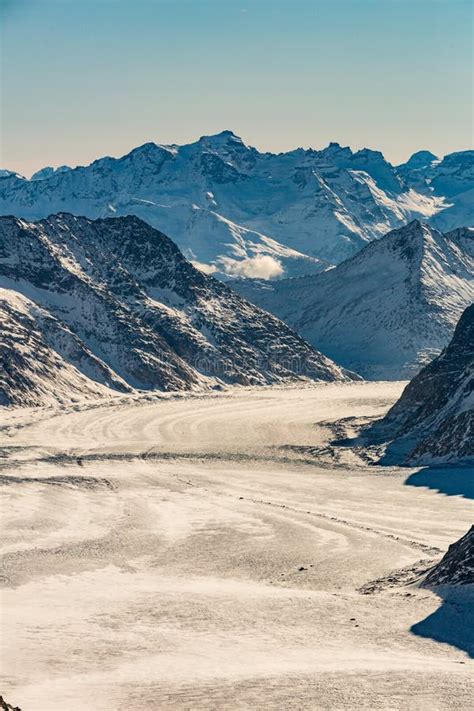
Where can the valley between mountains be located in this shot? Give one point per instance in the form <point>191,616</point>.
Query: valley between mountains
<point>219,491</point>
<point>215,551</point>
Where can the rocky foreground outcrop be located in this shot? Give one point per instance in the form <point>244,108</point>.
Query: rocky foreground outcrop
<point>4,706</point>
<point>433,421</point>
<point>457,566</point>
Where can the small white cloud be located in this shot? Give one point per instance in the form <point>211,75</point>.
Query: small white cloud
<point>205,268</point>
<point>259,267</point>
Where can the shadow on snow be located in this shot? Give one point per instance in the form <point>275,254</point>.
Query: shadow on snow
<point>449,480</point>
<point>451,623</point>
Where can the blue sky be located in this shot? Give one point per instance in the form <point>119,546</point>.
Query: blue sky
<point>85,78</point>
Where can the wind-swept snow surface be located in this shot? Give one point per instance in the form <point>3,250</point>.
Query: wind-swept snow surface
<point>195,552</point>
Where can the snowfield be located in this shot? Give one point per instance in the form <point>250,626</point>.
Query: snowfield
<point>214,552</point>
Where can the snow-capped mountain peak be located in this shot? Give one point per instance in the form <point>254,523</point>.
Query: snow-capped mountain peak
<point>387,310</point>
<point>420,159</point>
<point>48,172</point>
<point>324,204</point>
<point>222,139</point>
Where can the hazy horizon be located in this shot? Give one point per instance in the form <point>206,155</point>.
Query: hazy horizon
<point>125,151</point>
<point>99,77</point>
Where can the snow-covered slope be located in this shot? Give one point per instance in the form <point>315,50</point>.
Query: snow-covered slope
<point>10,174</point>
<point>229,207</point>
<point>458,213</point>
<point>218,245</point>
<point>451,178</point>
<point>386,311</point>
<point>90,305</point>
<point>42,360</point>
<point>457,566</point>
<point>435,414</point>
<point>454,174</point>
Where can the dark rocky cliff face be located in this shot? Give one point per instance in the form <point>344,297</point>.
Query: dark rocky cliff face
<point>457,566</point>
<point>4,706</point>
<point>112,303</point>
<point>436,409</point>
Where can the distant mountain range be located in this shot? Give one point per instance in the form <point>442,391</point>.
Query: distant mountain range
<point>386,311</point>
<point>91,307</point>
<point>433,421</point>
<point>237,212</point>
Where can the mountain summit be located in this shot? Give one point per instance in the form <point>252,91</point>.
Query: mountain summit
<point>227,205</point>
<point>386,311</point>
